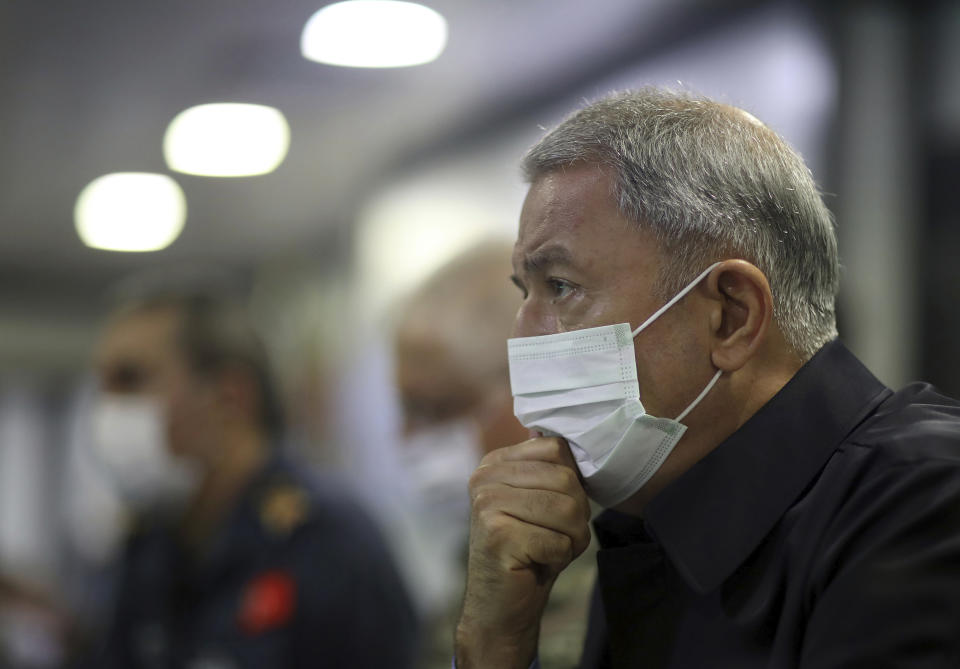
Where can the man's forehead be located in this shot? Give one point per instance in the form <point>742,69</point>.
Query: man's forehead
<point>542,240</point>
<point>561,212</point>
<point>137,334</point>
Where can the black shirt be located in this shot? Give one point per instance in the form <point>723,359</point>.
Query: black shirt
<point>297,576</point>
<point>824,533</point>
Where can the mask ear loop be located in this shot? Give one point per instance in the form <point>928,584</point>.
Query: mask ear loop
<point>703,393</point>
<point>676,298</point>
<point>656,314</point>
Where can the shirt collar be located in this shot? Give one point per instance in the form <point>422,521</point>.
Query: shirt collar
<point>710,519</point>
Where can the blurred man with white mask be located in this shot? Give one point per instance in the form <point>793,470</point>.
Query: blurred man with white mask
<point>451,376</point>
<point>238,558</point>
<point>770,503</point>
<point>454,387</point>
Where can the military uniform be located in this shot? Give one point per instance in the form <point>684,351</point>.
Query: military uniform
<point>295,577</point>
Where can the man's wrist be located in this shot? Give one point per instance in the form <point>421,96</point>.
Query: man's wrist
<point>476,648</point>
<point>534,665</point>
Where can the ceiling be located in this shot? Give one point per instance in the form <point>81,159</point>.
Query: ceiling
<point>88,88</point>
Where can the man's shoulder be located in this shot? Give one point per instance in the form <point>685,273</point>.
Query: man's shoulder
<point>897,471</point>
<point>294,502</point>
<point>874,540</point>
<point>329,545</point>
<point>914,426</point>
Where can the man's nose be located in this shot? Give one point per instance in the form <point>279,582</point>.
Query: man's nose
<point>533,320</point>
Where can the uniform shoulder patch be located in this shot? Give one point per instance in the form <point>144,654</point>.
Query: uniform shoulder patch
<point>284,507</point>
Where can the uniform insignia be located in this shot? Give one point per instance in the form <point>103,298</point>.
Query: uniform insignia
<point>268,602</point>
<point>283,508</point>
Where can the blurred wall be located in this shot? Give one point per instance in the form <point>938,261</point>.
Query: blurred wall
<point>894,158</point>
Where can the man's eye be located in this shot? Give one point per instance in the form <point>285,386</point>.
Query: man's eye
<point>126,378</point>
<point>559,288</point>
<point>516,282</point>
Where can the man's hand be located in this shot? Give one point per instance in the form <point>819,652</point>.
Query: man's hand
<point>530,519</point>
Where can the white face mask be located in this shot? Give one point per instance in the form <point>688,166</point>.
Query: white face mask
<point>438,462</point>
<point>430,525</point>
<point>582,385</point>
<point>128,441</point>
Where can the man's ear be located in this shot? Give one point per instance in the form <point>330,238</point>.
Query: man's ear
<point>743,314</point>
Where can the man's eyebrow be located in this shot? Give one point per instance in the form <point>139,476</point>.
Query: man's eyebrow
<point>547,256</point>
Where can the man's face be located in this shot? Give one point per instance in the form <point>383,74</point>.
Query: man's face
<point>138,356</point>
<point>581,264</point>
<point>431,387</point>
<point>435,389</point>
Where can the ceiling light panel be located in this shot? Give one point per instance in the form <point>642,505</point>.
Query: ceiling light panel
<point>227,140</point>
<point>130,211</point>
<point>374,33</point>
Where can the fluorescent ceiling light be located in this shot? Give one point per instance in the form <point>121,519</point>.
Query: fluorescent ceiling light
<point>374,33</point>
<point>130,211</point>
<point>227,140</point>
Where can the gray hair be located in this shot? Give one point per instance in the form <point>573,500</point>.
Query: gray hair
<point>710,182</point>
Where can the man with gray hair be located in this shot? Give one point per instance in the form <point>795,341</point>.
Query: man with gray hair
<point>770,503</point>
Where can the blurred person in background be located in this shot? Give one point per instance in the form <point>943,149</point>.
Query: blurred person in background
<point>770,503</point>
<point>454,386</point>
<point>237,558</point>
